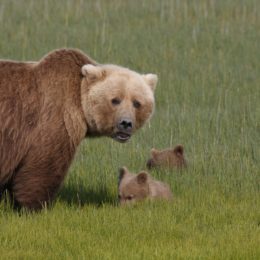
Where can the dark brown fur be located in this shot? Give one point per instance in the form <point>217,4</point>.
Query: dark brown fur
<point>39,132</point>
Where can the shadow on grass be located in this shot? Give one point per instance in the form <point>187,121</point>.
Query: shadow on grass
<point>79,195</point>
<point>73,195</point>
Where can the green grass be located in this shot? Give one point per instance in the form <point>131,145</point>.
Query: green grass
<point>207,56</point>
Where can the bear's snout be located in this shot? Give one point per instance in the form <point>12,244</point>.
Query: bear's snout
<point>124,129</point>
<point>125,124</point>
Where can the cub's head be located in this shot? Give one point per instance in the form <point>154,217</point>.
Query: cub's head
<point>132,187</point>
<point>169,158</point>
<point>116,101</point>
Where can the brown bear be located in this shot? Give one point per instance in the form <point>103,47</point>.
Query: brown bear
<point>168,158</point>
<point>48,107</point>
<point>137,187</point>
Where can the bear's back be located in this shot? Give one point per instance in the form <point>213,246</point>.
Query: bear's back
<point>18,112</point>
<point>33,99</point>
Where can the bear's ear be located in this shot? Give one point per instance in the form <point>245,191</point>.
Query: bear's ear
<point>122,172</point>
<point>154,152</point>
<point>142,177</point>
<point>178,150</point>
<point>93,72</point>
<point>151,80</point>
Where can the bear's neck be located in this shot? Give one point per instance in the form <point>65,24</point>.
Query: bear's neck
<point>91,130</point>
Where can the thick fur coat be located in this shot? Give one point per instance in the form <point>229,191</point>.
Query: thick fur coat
<point>42,123</point>
<point>43,120</point>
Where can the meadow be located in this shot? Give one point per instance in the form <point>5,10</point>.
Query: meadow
<point>207,56</point>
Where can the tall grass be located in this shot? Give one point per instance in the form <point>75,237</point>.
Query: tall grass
<point>207,56</point>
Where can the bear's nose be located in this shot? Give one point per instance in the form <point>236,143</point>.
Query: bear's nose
<point>125,124</point>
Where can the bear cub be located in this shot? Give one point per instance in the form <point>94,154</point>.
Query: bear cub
<point>168,158</point>
<point>137,187</point>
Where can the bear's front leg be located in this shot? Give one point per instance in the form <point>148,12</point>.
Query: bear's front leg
<point>36,183</point>
<point>35,190</point>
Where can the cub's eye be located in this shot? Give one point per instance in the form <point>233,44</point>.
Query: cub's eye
<point>115,101</point>
<point>130,197</point>
<point>136,104</point>
<point>119,197</point>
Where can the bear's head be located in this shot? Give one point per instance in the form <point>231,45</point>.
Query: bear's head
<point>132,187</point>
<point>116,101</point>
<point>169,158</point>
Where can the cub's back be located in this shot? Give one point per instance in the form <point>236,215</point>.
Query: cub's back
<point>160,190</point>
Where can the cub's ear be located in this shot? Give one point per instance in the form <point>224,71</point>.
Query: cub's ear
<point>142,177</point>
<point>93,72</point>
<point>122,172</point>
<point>151,80</point>
<point>178,150</point>
<point>154,152</point>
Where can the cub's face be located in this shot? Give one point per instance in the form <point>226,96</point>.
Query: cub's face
<point>132,187</point>
<point>169,158</point>
<point>116,101</point>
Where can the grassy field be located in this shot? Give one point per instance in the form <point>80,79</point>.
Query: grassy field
<point>207,56</point>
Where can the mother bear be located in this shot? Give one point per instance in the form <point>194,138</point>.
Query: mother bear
<point>48,107</point>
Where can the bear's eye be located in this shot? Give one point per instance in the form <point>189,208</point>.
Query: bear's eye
<point>136,104</point>
<point>115,101</point>
<point>119,197</point>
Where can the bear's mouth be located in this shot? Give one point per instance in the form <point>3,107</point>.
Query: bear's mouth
<point>121,137</point>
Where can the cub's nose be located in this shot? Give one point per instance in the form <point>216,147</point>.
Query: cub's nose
<point>150,164</point>
<point>125,124</point>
